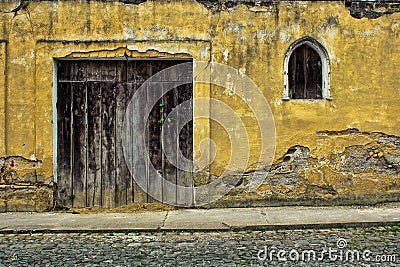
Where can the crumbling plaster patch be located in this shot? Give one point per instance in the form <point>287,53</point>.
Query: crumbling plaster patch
<point>22,188</point>
<point>345,174</point>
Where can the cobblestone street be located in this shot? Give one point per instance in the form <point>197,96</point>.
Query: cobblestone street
<point>377,246</point>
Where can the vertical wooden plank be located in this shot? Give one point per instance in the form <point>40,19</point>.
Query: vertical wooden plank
<point>139,161</point>
<point>64,179</point>
<point>299,83</point>
<point>136,73</point>
<point>108,143</point>
<point>94,157</point>
<point>122,172</point>
<point>307,73</point>
<point>154,139</point>
<point>310,79</point>
<point>314,74</point>
<point>79,144</point>
<point>123,178</point>
<point>304,71</point>
<point>292,75</point>
<point>298,72</point>
<point>129,94</point>
<point>320,81</point>
<point>169,141</point>
<point>185,176</point>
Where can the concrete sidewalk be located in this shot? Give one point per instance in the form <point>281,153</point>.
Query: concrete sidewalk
<point>202,220</point>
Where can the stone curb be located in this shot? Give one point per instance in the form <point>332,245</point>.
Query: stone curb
<point>231,219</point>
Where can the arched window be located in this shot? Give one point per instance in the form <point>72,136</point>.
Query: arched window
<point>307,71</point>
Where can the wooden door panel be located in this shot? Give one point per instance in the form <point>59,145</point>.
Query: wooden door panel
<point>305,74</point>
<point>93,96</point>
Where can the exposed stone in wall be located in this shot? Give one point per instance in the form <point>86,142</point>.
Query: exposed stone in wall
<point>132,1</point>
<point>358,9</point>
<point>220,5</point>
<point>372,10</point>
<point>363,174</point>
<point>21,188</point>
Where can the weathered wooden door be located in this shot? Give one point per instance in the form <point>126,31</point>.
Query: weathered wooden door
<point>305,74</point>
<point>92,98</point>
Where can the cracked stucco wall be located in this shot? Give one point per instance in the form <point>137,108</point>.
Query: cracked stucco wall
<point>316,157</point>
<point>353,174</point>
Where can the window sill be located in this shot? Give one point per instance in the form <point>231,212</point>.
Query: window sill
<point>307,100</point>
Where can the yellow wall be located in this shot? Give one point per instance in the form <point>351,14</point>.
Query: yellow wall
<point>364,61</point>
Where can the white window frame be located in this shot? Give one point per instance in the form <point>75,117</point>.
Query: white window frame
<point>326,71</point>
